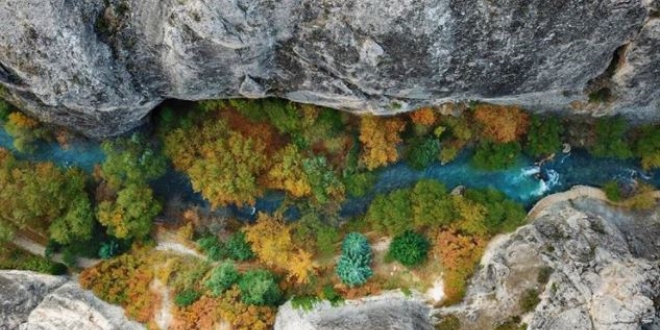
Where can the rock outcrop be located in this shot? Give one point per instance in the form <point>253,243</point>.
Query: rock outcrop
<point>592,267</point>
<point>100,66</point>
<point>387,311</point>
<point>32,301</point>
<point>579,265</point>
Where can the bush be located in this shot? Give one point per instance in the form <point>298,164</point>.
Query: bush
<point>449,322</point>
<point>409,249</point>
<point>186,297</point>
<point>529,300</point>
<point>422,153</point>
<point>259,287</point>
<point>495,156</point>
<point>238,248</point>
<point>544,275</point>
<point>213,248</point>
<point>612,191</point>
<point>222,278</point>
<point>305,303</point>
<point>647,147</point>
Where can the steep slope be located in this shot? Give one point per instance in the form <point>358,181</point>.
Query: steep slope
<point>100,66</point>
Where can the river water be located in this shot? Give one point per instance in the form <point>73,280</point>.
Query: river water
<point>520,182</point>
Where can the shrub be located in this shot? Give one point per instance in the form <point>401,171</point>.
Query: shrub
<point>423,152</point>
<point>612,191</point>
<point>647,147</point>
<point>409,248</point>
<point>259,287</point>
<point>213,248</point>
<point>238,248</point>
<point>305,303</point>
<point>186,297</point>
<point>495,156</point>
<point>222,278</point>
<point>448,322</point>
<point>529,300</point>
<point>544,275</point>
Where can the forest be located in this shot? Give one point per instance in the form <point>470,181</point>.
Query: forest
<point>234,153</point>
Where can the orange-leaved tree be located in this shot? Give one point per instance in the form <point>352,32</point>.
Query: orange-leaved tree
<point>272,242</point>
<point>423,116</point>
<point>501,124</point>
<point>379,137</point>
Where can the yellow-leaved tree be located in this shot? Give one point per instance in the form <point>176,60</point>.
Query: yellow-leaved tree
<point>379,137</point>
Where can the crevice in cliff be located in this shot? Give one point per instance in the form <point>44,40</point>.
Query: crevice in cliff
<point>599,89</point>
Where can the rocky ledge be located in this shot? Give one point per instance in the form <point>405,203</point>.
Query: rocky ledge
<point>100,66</point>
<point>592,267</point>
<point>32,301</point>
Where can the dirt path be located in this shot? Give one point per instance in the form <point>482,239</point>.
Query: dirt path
<point>163,316</point>
<point>40,250</point>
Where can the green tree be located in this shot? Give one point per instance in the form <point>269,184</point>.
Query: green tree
<point>186,297</point>
<point>222,278</point>
<point>610,139</point>
<point>431,204</point>
<point>131,161</point>
<point>326,186</point>
<point>423,152</point>
<point>259,287</point>
<point>354,271</point>
<point>544,136</point>
<point>239,248</point>
<point>495,156</point>
<point>647,147</point>
<point>353,267</point>
<point>502,214</point>
<point>212,247</point>
<point>132,214</point>
<point>390,213</point>
<point>409,248</point>
<point>359,184</point>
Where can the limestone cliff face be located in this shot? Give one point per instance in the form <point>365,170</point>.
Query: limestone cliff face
<point>32,301</point>
<point>100,66</point>
<point>603,264</point>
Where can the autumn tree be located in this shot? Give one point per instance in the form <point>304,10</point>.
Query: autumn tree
<point>325,184</point>
<point>459,254</point>
<point>471,216</point>
<point>423,116</point>
<point>25,131</point>
<point>44,199</point>
<point>223,165</point>
<point>501,124</point>
<point>288,173</point>
<point>272,242</point>
<point>131,214</point>
<point>379,137</point>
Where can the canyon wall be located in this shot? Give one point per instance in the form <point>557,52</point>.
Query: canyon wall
<point>100,66</point>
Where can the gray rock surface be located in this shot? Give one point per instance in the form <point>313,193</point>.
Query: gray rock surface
<point>387,311</point>
<point>100,66</point>
<point>605,272</point>
<point>32,301</point>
